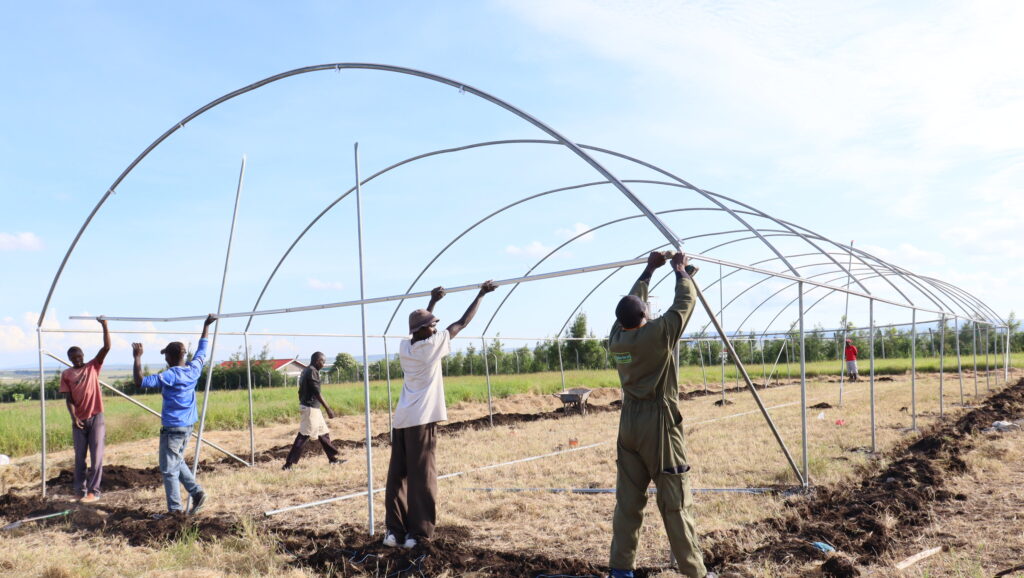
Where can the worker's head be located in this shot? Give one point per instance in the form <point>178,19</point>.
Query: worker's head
<point>174,354</point>
<point>849,342</point>
<point>631,312</point>
<point>317,361</point>
<point>76,357</point>
<point>422,324</point>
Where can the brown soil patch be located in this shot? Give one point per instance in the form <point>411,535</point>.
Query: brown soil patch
<point>350,551</point>
<point>888,507</point>
<point>114,478</point>
<point>139,527</point>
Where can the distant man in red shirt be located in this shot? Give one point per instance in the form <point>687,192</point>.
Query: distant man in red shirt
<point>851,359</point>
<point>80,385</point>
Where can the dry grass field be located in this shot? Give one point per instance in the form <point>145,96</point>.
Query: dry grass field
<point>530,529</point>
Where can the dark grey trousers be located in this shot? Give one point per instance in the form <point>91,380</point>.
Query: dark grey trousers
<point>410,496</point>
<point>89,439</point>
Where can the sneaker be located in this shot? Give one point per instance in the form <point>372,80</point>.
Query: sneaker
<point>621,573</point>
<point>198,503</point>
<point>409,544</point>
<point>390,541</point>
<point>90,498</point>
<point>711,575</point>
<point>336,462</point>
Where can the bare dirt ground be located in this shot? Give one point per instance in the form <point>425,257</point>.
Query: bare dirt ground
<point>951,485</point>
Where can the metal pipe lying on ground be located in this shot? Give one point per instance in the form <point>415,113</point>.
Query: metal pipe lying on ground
<point>612,490</point>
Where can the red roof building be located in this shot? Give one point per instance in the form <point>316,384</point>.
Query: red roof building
<point>289,367</point>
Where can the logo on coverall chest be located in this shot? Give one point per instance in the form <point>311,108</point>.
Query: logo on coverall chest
<point>622,358</point>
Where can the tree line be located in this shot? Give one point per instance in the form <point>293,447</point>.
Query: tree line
<point>578,348</point>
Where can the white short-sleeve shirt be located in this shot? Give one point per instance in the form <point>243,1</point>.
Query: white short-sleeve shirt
<point>422,399</point>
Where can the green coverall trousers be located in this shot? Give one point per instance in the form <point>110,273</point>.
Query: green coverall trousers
<point>674,499</point>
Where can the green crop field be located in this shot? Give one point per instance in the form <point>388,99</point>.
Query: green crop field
<point>19,422</point>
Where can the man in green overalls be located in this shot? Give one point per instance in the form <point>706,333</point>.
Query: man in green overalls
<point>650,444</point>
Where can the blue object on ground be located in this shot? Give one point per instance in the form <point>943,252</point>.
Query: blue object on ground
<point>826,548</point>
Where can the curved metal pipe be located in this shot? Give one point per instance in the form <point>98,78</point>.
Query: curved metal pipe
<point>463,87</point>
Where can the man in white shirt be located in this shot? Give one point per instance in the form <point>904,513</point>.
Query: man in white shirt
<point>409,500</point>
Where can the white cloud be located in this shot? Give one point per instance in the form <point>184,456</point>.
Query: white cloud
<point>576,229</point>
<point>325,285</point>
<point>20,336</point>
<point>910,257</point>
<point>20,242</point>
<point>534,249</point>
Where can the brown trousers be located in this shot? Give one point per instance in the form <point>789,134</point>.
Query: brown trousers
<point>409,500</point>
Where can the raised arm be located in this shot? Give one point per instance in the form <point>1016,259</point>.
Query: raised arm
<point>683,303</point>
<point>102,354</point>
<point>455,328</point>
<point>137,367</point>
<point>199,359</point>
<point>210,318</point>
<point>436,294</point>
<point>654,260</point>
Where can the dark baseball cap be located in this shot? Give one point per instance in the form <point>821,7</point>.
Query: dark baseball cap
<point>419,319</point>
<point>175,347</point>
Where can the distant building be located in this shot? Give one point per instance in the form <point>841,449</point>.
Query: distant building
<point>289,367</point>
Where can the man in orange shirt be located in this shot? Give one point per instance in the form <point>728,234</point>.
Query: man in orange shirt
<point>80,385</point>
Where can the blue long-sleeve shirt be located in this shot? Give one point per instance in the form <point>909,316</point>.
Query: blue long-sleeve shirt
<point>178,386</point>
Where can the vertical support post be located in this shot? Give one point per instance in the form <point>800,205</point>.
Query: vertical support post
<point>721,317</point>
<point>42,413</point>
<point>988,370</point>
<point>959,363</point>
<point>387,372</point>
<point>248,386</point>
<point>764,367</point>
<point>846,323</point>
<point>216,327</point>
<point>1006,358</point>
<point>913,369</point>
<point>561,369</point>
<point>748,382</point>
<point>703,372</point>
<point>871,321</point>
<point>789,348</point>
<point>974,350</point>
<point>366,373</point>
<point>487,376</point>
<point>803,391</point>
<point>942,366</point>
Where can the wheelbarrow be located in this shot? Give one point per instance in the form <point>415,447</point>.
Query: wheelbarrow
<point>574,399</point>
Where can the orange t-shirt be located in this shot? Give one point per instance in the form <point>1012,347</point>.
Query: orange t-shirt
<point>84,386</point>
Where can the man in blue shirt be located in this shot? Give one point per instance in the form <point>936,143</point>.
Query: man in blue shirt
<point>177,383</point>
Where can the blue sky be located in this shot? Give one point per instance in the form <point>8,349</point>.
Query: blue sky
<point>895,125</point>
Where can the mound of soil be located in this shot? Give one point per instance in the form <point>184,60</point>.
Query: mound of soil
<point>822,405</point>
<point>138,527</point>
<point>350,551</point>
<point>865,521</point>
<point>114,478</point>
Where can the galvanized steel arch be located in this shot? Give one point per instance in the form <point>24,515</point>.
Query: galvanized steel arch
<point>339,66</point>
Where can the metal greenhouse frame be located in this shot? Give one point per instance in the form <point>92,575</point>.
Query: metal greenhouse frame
<point>819,268</point>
